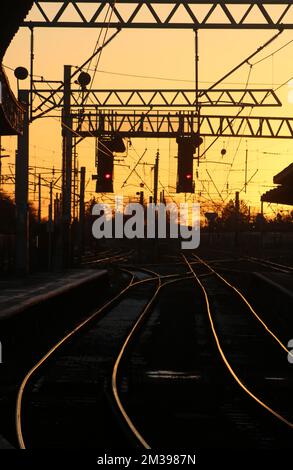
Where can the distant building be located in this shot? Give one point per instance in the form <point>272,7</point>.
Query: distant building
<point>11,112</point>
<point>283,194</point>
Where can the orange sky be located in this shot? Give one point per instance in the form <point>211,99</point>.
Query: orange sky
<point>166,54</point>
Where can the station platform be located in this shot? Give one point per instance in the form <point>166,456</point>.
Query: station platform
<point>18,295</point>
<point>35,313</point>
<point>282,282</point>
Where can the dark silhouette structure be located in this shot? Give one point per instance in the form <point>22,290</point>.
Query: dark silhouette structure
<point>283,194</point>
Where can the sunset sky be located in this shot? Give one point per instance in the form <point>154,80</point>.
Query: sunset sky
<point>163,59</point>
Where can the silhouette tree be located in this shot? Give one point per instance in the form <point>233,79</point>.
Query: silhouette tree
<point>230,216</point>
<point>7,214</point>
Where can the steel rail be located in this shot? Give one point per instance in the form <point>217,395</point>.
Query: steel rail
<point>78,328</point>
<point>243,298</point>
<point>123,353</point>
<point>276,266</point>
<point>220,349</point>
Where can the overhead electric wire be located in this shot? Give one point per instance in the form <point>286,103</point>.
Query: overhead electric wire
<point>234,158</point>
<point>213,86</point>
<point>273,53</point>
<point>245,61</point>
<point>98,39</point>
<point>78,69</point>
<point>168,79</point>
<point>151,77</point>
<point>134,168</point>
<point>109,10</point>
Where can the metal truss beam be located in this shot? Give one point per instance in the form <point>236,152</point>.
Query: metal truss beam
<point>171,125</point>
<point>231,14</point>
<point>156,99</point>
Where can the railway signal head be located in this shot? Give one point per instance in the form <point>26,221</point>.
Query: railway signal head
<point>105,174</point>
<point>186,150</point>
<point>106,145</point>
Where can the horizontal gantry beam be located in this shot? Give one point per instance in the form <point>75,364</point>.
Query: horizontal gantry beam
<point>156,99</point>
<point>161,14</point>
<point>171,125</point>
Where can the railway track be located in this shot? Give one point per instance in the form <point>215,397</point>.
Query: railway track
<point>264,327</point>
<point>106,257</point>
<point>234,257</point>
<point>272,265</point>
<point>170,353</point>
<point>229,385</point>
<point>40,395</point>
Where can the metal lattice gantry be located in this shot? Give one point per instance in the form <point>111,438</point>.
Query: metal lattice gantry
<point>170,125</point>
<point>231,14</point>
<point>154,99</point>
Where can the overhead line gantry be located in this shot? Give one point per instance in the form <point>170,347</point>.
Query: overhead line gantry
<point>163,14</point>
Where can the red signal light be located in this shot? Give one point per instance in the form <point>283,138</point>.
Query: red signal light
<point>188,176</point>
<point>108,176</point>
